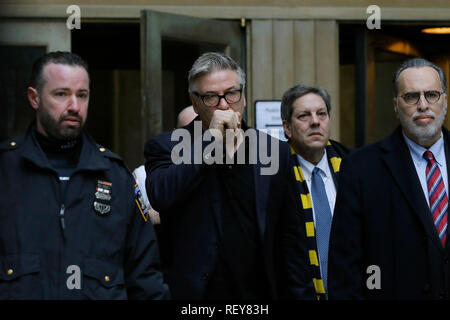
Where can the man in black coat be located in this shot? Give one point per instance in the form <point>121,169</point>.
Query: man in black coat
<point>316,163</point>
<point>70,226</point>
<point>389,232</point>
<point>229,222</point>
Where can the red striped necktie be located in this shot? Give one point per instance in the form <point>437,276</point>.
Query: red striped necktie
<point>437,195</point>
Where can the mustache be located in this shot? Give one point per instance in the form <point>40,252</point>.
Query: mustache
<point>428,113</point>
<point>315,132</point>
<point>71,117</point>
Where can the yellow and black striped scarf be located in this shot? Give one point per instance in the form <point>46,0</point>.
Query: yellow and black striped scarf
<point>335,161</point>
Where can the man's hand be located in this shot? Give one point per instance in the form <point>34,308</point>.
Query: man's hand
<point>222,121</point>
<point>154,216</point>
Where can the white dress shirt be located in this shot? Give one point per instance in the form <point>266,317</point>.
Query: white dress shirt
<point>325,173</point>
<point>140,175</point>
<point>420,163</point>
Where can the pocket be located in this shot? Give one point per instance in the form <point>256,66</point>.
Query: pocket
<point>19,277</point>
<point>103,280</point>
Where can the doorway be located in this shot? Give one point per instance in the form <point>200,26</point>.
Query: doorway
<point>21,43</point>
<point>133,95</point>
<point>368,60</point>
<point>163,30</point>
<point>112,53</point>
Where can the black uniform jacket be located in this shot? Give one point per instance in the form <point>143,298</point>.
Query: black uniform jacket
<point>55,248</point>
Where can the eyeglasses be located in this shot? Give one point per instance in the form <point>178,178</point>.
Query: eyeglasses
<point>213,100</point>
<point>431,96</point>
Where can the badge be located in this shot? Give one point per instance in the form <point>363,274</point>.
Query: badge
<point>103,192</point>
<point>140,202</point>
<point>101,207</point>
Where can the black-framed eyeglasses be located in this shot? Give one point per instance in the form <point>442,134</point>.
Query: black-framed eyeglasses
<point>212,100</point>
<point>432,96</point>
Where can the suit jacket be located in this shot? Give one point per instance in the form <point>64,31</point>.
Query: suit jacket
<point>189,199</point>
<point>382,220</point>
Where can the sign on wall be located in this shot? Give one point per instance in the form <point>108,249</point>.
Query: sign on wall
<point>268,118</point>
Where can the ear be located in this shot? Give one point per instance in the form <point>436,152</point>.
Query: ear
<point>287,129</point>
<point>394,103</point>
<point>445,103</point>
<point>33,97</point>
<point>194,102</point>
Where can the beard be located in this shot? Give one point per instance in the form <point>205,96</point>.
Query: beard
<point>423,134</point>
<point>55,127</point>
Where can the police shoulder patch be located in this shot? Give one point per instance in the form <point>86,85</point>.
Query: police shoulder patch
<point>143,210</point>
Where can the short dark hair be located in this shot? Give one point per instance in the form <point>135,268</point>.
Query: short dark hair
<point>298,91</point>
<point>213,61</point>
<point>59,57</point>
<point>418,63</point>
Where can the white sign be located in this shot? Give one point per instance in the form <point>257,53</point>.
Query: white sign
<point>268,118</point>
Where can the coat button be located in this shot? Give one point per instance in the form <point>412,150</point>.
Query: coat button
<point>205,276</point>
<point>107,279</point>
<point>10,272</point>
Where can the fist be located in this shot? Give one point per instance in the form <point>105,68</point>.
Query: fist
<point>222,120</point>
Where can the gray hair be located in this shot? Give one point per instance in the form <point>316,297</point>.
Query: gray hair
<point>210,62</point>
<point>419,63</point>
<point>298,91</point>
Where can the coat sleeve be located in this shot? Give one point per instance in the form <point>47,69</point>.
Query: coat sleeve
<point>143,276</point>
<point>168,183</point>
<point>345,274</point>
<point>295,272</point>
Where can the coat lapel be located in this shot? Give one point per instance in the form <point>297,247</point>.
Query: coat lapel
<point>401,166</point>
<point>333,174</point>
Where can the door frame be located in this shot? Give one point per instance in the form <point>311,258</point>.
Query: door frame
<point>157,25</point>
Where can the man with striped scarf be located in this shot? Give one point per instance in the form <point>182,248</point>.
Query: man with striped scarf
<point>315,160</point>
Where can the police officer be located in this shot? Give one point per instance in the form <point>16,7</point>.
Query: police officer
<point>70,225</point>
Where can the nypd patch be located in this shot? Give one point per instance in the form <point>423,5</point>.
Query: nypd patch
<point>103,193</point>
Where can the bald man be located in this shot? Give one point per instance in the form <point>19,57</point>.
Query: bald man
<point>186,116</point>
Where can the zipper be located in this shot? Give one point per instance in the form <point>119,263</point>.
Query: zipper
<point>61,216</point>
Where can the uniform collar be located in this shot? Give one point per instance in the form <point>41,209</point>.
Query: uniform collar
<point>92,157</point>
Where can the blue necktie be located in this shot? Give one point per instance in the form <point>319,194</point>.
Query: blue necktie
<point>322,214</point>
